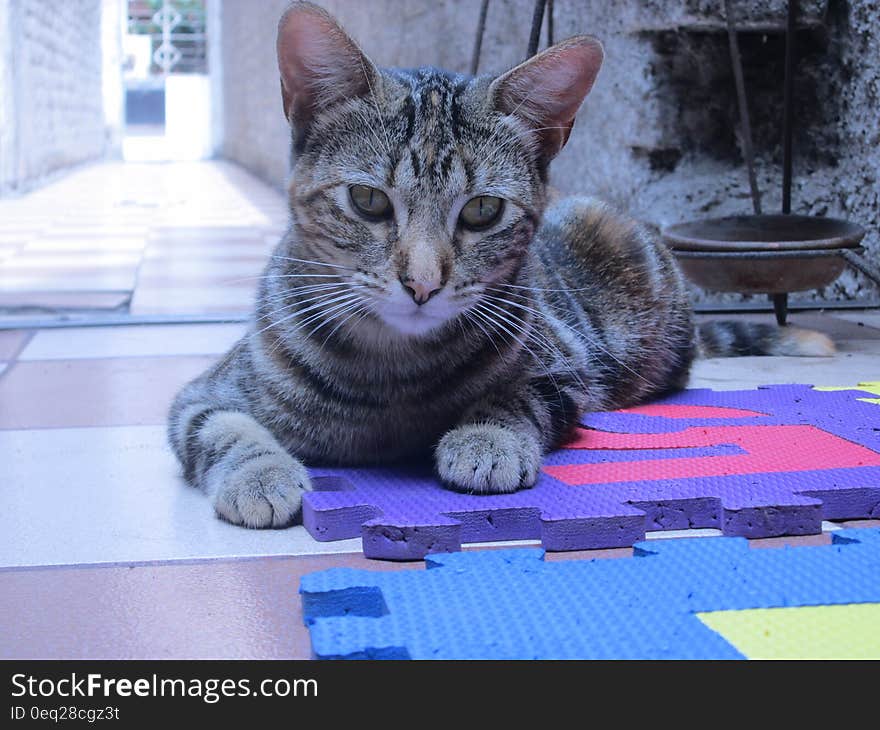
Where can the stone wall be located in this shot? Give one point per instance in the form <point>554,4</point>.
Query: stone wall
<point>51,88</point>
<point>659,135</point>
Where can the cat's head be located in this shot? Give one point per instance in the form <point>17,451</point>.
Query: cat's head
<point>426,186</point>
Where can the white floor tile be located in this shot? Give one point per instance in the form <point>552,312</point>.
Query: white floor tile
<point>34,262</point>
<point>70,282</point>
<point>97,495</point>
<point>667,534</point>
<point>247,270</point>
<point>64,245</point>
<point>856,361</point>
<point>194,254</point>
<point>184,299</point>
<point>868,317</point>
<point>132,341</point>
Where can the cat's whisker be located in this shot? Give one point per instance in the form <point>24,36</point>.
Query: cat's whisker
<point>491,339</point>
<point>287,293</point>
<point>544,302</point>
<point>292,276</point>
<point>369,127</point>
<point>300,302</point>
<point>535,288</point>
<point>323,309</point>
<point>579,333</point>
<point>310,261</point>
<point>527,329</point>
<point>376,107</point>
<point>488,315</point>
<point>318,305</point>
<point>310,287</point>
<point>323,318</point>
<point>290,296</point>
<point>360,308</point>
<point>543,366</point>
<point>539,337</point>
<point>499,127</point>
<point>542,339</point>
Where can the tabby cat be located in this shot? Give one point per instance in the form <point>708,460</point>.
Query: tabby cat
<point>427,299</point>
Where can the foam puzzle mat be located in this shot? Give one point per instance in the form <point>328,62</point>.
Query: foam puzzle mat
<point>693,598</point>
<point>754,463</point>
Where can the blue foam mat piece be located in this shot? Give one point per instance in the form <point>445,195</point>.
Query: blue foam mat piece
<point>510,604</point>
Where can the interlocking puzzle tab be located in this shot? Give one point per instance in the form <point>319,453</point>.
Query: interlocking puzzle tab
<point>753,463</point>
<point>659,604</point>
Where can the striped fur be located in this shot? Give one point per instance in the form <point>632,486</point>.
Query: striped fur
<point>737,339</point>
<point>551,311</point>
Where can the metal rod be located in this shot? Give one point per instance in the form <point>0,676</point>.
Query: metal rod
<point>780,308</point>
<point>722,308</point>
<point>787,104</point>
<point>478,41</point>
<point>550,40</point>
<point>862,264</point>
<point>537,22</point>
<point>47,320</point>
<point>742,102</point>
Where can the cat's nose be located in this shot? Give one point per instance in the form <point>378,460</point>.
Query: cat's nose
<point>421,290</point>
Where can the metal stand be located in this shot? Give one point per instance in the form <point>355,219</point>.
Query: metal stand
<point>780,307</point>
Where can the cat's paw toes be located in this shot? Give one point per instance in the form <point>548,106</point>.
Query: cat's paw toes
<point>264,492</point>
<point>488,459</point>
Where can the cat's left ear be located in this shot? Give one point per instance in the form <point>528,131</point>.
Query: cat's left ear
<point>320,64</point>
<point>547,90</point>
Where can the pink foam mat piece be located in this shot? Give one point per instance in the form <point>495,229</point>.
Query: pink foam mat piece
<point>760,463</point>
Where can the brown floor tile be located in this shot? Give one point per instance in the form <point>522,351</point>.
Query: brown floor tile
<point>159,610</point>
<point>846,524</point>
<point>823,538</point>
<point>106,392</point>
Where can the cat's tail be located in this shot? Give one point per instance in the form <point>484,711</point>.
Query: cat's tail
<point>738,339</point>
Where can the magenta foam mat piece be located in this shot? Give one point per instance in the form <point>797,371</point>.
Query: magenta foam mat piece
<point>753,463</point>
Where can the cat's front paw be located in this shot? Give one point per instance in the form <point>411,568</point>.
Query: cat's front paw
<point>263,492</point>
<point>488,459</point>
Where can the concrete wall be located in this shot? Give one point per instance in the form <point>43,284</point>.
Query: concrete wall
<point>659,134</point>
<point>51,88</point>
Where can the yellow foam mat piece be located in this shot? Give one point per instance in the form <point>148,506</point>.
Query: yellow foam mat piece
<point>849,631</point>
<point>869,387</point>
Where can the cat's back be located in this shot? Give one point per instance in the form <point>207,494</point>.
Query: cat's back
<point>585,244</point>
<point>620,288</point>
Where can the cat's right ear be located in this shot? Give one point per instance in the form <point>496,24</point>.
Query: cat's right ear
<point>320,64</point>
<point>546,91</point>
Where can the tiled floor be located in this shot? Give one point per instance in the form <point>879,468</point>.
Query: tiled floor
<point>86,475</point>
<point>143,238</point>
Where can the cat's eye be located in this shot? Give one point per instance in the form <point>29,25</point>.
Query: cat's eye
<point>481,212</point>
<point>370,202</point>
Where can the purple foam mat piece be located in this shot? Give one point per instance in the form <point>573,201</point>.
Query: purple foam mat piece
<point>404,513</point>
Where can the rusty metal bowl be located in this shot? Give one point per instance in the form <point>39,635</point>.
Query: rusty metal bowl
<point>763,254</point>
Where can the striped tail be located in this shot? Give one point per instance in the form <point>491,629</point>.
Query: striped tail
<point>738,339</point>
